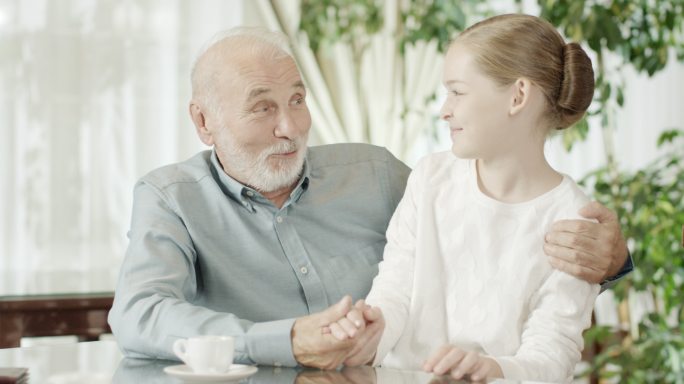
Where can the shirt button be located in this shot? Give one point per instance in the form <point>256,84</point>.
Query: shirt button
<point>304,270</point>
<point>250,193</point>
<point>279,219</point>
<point>277,364</point>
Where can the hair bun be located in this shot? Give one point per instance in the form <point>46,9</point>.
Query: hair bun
<point>577,87</point>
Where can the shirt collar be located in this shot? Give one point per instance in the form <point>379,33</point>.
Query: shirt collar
<point>245,195</point>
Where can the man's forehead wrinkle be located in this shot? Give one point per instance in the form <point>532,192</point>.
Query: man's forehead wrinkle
<point>256,92</point>
<point>257,79</point>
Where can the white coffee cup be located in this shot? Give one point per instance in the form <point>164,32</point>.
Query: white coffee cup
<point>206,354</point>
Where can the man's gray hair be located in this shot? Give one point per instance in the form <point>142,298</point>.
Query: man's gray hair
<point>249,40</point>
<point>273,38</point>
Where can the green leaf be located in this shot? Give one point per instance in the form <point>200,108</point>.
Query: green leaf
<point>669,136</point>
<point>620,96</point>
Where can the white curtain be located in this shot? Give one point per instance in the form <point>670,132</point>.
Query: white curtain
<point>93,94</point>
<point>393,88</point>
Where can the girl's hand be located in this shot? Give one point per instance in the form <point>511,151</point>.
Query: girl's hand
<point>460,363</point>
<point>349,326</point>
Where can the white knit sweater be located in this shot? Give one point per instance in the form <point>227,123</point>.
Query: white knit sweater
<point>465,269</point>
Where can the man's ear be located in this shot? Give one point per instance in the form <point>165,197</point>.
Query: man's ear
<point>199,119</point>
<point>520,96</point>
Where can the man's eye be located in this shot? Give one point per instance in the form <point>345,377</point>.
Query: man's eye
<point>261,109</point>
<point>298,100</point>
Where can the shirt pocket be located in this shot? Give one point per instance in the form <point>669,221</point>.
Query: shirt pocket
<point>358,267</point>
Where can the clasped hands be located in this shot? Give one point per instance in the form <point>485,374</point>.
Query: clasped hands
<point>342,334</point>
<point>349,334</point>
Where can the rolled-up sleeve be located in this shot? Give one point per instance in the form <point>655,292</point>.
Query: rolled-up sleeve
<point>158,282</point>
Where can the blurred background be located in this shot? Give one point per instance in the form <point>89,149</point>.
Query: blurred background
<point>94,94</point>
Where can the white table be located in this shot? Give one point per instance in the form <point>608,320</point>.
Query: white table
<point>101,362</point>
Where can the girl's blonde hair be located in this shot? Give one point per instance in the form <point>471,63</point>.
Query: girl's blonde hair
<point>508,47</point>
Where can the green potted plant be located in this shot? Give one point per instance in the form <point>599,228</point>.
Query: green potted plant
<point>650,203</point>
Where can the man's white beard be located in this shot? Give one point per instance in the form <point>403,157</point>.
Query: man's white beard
<point>262,173</point>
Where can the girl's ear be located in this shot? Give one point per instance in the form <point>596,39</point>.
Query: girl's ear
<point>520,96</point>
<point>198,118</point>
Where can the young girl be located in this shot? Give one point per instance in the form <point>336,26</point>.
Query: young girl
<point>465,283</point>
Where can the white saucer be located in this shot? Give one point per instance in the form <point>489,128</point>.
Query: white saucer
<point>236,372</point>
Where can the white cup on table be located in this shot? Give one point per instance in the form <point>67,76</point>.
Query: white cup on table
<point>206,354</point>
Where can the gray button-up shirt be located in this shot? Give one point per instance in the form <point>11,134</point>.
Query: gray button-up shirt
<point>208,255</point>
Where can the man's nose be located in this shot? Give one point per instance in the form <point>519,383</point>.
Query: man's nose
<point>287,125</point>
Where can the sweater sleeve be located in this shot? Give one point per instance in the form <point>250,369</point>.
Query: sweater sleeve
<point>552,335</point>
<point>391,291</point>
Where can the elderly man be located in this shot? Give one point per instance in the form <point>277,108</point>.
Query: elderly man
<point>262,237</point>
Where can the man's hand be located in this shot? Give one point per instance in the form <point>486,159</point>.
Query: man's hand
<point>459,364</point>
<point>314,348</point>
<point>367,341</point>
<point>590,251</point>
